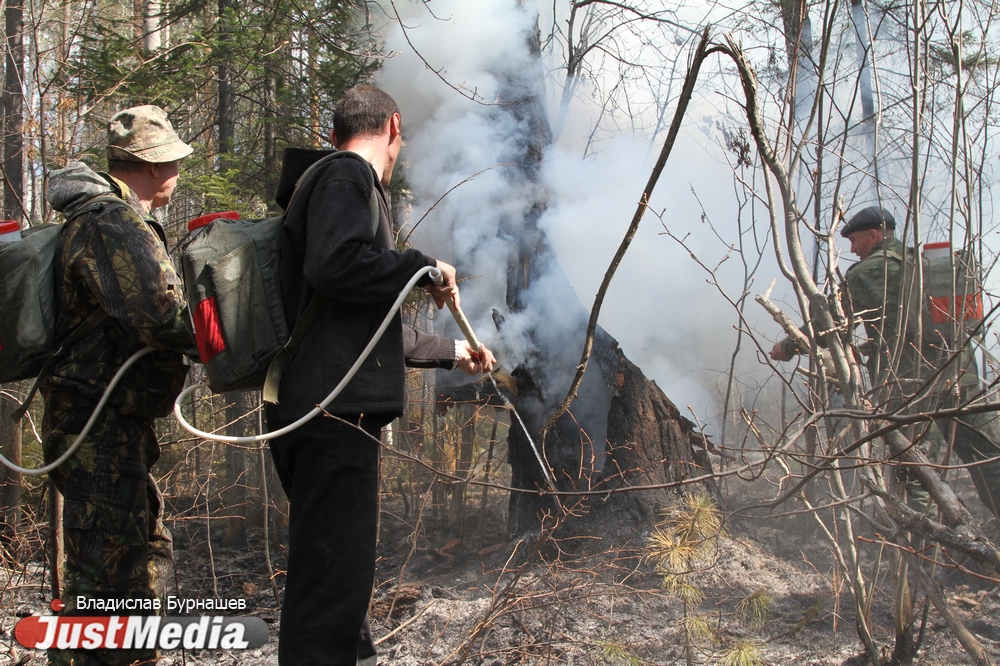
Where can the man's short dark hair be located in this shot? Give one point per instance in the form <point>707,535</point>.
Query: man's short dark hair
<point>126,166</point>
<point>362,111</point>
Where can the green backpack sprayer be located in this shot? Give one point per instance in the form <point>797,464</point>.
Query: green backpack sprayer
<point>230,271</point>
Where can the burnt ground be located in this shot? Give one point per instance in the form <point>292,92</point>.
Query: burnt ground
<point>469,594</point>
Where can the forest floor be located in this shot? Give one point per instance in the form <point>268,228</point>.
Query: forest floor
<point>473,596</point>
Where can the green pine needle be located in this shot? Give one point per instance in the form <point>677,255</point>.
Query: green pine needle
<point>744,653</point>
<point>754,610</point>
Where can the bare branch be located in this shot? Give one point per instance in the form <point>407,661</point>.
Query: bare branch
<point>701,52</point>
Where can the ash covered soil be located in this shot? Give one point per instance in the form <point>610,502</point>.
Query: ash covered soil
<point>471,595</point>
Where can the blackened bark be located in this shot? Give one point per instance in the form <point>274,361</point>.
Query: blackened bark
<point>646,442</point>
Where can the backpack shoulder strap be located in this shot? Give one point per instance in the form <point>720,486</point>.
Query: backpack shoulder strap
<point>278,365</point>
<point>97,203</point>
<point>314,169</point>
<point>276,369</point>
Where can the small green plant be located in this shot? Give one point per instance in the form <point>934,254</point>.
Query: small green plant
<point>616,654</point>
<point>699,628</point>
<point>743,653</point>
<point>686,534</point>
<point>683,590</point>
<point>754,609</point>
<point>680,542</point>
<point>810,614</point>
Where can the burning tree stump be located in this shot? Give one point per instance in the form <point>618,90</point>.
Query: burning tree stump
<point>622,431</point>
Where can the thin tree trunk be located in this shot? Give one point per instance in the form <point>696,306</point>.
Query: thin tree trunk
<point>54,545</point>
<point>151,13</point>
<point>271,160</point>
<point>267,470</point>
<point>316,138</point>
<point>234,496</point>
<point>138,25</point>
<point>488,470</point>
<point>13,109</point>
<point>226,111</point>
<point>798,47</point>
<point>859,15</point>
<point>10,481</point>
<point>463,462</point>
<point>437,459</point>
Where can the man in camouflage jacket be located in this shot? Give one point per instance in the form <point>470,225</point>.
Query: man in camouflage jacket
<point>880,264</point>
<point>898,365</point>
<point>112,259</point>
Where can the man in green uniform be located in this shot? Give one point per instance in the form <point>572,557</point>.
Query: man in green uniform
<point>900,366</point>
<point>112,268</point>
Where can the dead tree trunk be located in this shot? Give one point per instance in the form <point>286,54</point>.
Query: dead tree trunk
<point>622,430</point>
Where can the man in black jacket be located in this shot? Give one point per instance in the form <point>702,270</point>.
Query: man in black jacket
<point>329,467</point>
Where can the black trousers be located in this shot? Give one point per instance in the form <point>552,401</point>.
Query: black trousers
<point>329,471</point>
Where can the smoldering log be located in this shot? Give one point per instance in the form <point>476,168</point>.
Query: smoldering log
<point>621,432</point>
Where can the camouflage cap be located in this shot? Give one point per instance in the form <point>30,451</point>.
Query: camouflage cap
<point>143,134</point>
<point>872,217</point>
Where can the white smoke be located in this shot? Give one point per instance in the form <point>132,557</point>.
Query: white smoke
<point>449,138</point>
<point>669,321</point>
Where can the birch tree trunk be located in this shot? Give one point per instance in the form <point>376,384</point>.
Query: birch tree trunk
<point>151,13</point>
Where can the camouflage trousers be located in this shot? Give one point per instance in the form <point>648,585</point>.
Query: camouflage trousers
<point>115,542</point>
<point>971,438</point>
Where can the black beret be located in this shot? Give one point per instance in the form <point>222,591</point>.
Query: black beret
<point>869,218</point>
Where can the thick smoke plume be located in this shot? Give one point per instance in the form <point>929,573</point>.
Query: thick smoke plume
<point>667,319</point>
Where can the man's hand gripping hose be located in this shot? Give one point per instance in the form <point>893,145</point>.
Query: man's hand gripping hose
<point>478,353</point>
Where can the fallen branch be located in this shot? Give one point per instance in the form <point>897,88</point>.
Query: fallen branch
<point>906,518</point>
<point>404,625</point>
<point>966,638</point>
<point>783,320</point>
<point>954,512</point>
